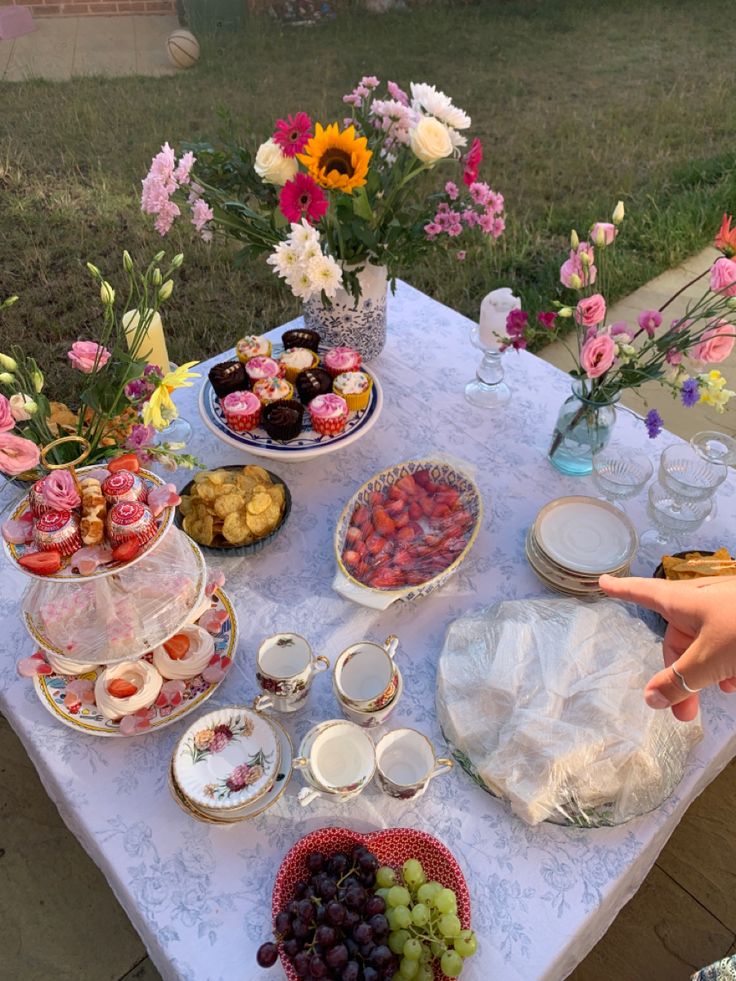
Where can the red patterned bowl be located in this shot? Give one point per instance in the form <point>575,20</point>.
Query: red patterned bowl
<point>391,847</point>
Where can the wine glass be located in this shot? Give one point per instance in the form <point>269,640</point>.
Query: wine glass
<point>620,474</point>
<point>673,517</point>
<point>685,472</point>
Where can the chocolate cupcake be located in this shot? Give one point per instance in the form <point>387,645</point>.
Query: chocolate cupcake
<point>228,376</point>
<point>283,420</point>
<point>313,382</point>
<point>301,337</point>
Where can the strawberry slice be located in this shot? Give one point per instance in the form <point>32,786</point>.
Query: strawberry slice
<point>126,551</point>
<point>127,462</point>
<point>177,646</point>
<point>120,688</point>
<point>360,515</point>
<point>383,523</point>
<point>42,563</point>
<point>408,485</point>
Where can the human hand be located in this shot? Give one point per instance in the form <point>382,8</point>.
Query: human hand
<point>700,640</point>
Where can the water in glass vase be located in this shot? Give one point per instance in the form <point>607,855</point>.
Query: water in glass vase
<point>583,428</point>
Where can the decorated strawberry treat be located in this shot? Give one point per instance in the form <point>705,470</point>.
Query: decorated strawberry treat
<point>57,531</point>
<point>130,520</point>
<point>122,485</point>
<point>126,688</point>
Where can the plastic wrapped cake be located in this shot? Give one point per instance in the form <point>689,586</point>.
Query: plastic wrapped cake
<point>542,703</point>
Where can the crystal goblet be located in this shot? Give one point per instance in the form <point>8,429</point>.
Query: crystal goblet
<point>620,473</point>
<point>674,517</point>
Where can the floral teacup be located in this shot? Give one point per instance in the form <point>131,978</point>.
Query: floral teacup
<point>285,669</point>
<point>366,678</point>
<point>369,720</point>
<point>406,762</point>
<point>338,760</point>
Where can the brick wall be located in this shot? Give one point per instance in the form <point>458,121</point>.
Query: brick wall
<point>73,8</point>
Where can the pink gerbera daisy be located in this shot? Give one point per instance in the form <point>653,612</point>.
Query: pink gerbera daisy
<point>302,197</point>
<point>293,133</point>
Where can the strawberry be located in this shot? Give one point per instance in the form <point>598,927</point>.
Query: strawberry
<point>404,559</point>
<point>350,557</point>
<point>384,525</point>
<point>126,551</point>
<point>401,519</point>
<point>360,515</point>
<point>353,534</point>
<point>415,511</point>
<point>395,493</point>
<point>127,462</point>
<point>375,498</point>
<point>396,506</point>
<point>388,578</point>
<point>120,688</point>
<point>422,477</point>
<point>416,577</point>
<point>375,544</point>
<point>42,563</point>
<point>448,496</point>
<point>440,511</point>
<point>367,530</point>
<point>407,485</point>
<point>427,506</point>
<point>177,646</point>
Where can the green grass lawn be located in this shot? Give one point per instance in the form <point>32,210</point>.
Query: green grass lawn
<point>578,105</point>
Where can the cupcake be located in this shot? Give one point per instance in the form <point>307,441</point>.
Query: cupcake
<point>57,531</point>
<point>283,420</point>
<point>301,337</point>
<point>242,411</point>
<point>355,387</point>
<point>313,382</point>
<point>261,367</point>
<point>126,688</point>
<point>130,519</point>
<point>124,486</point>
<point>252,347</point>
<point>228,376</point>
<point>297,359</point>
<point>273,390</point>
<point>340,359</point>
<point>186,654</point>
<point>328,413</point>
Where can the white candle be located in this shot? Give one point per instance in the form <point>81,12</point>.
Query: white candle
<point>152,346</point>
<point>493,312</point>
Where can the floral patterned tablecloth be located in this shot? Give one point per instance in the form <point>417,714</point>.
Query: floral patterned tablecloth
<point>200,896</point>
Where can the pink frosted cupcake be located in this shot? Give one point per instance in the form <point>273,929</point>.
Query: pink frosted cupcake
<point>242,411</point>
<point>258,368</point>
<point>328,413</point>
<point>340,359</point>
<point>273,390</point>
<point>57,531</point>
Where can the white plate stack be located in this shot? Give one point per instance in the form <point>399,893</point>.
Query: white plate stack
<point>574,540</point>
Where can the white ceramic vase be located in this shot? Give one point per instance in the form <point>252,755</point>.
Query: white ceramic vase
<point>345,323</point>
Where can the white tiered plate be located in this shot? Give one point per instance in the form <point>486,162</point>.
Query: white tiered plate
<point>307,445</point>
<point>51,688</point>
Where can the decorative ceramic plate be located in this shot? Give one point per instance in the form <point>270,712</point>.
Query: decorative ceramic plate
<point>65,574</point>
<point>234,815</point>
<point>584,534</point>
<point>440,472</point>
<point>222,544</point>
<point>308,444</point>
<point>52,688</point>
<point>227,758</point>
<point>391,847</point>
<point>562,582</point>
<point>36,630</point>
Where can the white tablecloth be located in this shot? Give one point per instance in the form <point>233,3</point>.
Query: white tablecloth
<point>200,896</point>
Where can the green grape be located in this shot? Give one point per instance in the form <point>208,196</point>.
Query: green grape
<point>401,917</point>
<point>413,873</point>
<point>437,948</point>
<point>412,949</point>
<point>445,902</point>
<point>383,893</point>
<point>408,969</point>
<point>465,943</point>
<point>392,920</point>
<point>385,877</point>
<point>398,896</point>
<point>426,891</point>
<point>451,964</point>
<point>426,957</point>
<point>435,886</point>
<point>420,915</point>
<point>424,974</point>
<point>449,926</point>
<point>397,939</point>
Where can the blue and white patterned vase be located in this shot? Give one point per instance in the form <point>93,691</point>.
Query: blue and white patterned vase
<point>345,323</point>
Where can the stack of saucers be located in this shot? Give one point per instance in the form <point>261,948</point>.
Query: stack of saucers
<point>574,540</point>
<point>230,765</point>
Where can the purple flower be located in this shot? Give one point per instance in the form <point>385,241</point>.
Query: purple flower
<point>517,322</point>
<point>690,392</point>
<point>654,423</point>
<point>649,320</point>
<point>139,437</point>
<point>138,390</point>
<point>547,320</point>
<point>153,372</point>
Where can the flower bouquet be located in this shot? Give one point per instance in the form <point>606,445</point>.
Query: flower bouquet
<point>613,357</point>
<point>340,208</point>
<point>124,400</point>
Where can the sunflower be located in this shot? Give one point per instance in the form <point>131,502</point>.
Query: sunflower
<point>336,160</point>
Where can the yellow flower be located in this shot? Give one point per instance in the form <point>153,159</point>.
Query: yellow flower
<point>159,410</point>
<point>338,161</point>
<point>716,393</point>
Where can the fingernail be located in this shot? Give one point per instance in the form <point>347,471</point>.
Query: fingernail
<point>656,700</point>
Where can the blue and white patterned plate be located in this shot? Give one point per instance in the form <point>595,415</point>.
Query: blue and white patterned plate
<point>307,445</point>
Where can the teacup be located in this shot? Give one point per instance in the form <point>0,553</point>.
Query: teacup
<point>285,667</point>
<point>369,720</point>
<point>365,676</point>
<point>338,760</point>
<point>406,762</point>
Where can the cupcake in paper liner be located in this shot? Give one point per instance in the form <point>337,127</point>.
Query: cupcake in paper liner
<point>57,531</point>
<point>273,390</point>
<point>130,520</point>
<point>37,500</point>
<point>355,387</point>
<point>124,486</point>
<point>297,359</point>
<point>313,382</point>
<point>283,420</point>
<point>259,368</point>
<point>228,376</point>
<point>252,347</point>
<point>242,411</point>
<point>328,413</point>
<point>301,337</point>
<point>339,359</point>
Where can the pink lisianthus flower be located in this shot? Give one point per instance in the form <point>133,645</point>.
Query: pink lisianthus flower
<point>7,420</point>
<point>597,355</point>
<point>673,357</point>
<point>59,491</point>
<point>622,331</point>
<point>603,233</point>
<point>715,344</point>
<point>302,197</point>
<point>17,454</point>
<point>649,320</point>
<point>293,133</point>
<point>473,160</point>
<point>84,354</point>
<point>723,276</point>
<point>591,310</point>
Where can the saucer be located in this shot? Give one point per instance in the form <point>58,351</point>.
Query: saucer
<point>586,535</point>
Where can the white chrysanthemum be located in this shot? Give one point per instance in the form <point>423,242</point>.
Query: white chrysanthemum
<point>325,274</point>
<point>303,234</point>
<point>310,251</point>
<point>300,283</point>
<point>284,259</point>
<point>426,98</point>
<point>457,140</point>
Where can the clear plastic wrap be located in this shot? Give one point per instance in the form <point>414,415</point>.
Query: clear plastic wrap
<point>541,702</point>
<point>119,617</point>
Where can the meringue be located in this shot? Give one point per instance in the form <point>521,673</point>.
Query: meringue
<point>201,649</point>
<point>67,665</point>
<point>139,673</point>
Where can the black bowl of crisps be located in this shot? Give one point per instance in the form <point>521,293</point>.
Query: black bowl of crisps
<point>238,509</point>
<point>693,564</point>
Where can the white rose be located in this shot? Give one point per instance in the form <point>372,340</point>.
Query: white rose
<point>430,140</point>
<point>272,166</point>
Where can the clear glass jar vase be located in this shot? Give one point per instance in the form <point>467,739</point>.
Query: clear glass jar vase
<point>584,427</point>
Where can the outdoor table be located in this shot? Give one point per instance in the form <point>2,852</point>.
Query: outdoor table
<point>199,895</point>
